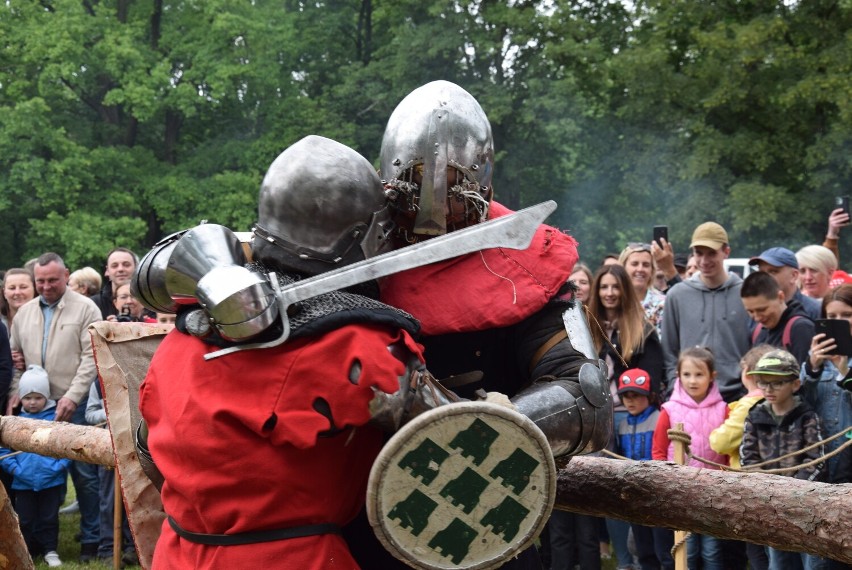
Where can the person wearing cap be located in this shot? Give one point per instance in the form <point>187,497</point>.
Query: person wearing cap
<point>634,440</point>
<point>706,310</point>
<point>781,264</point>
<point>38,481</point>
<point>781,424</point>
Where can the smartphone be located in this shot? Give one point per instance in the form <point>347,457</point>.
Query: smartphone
<point>842,202</point>
<point>661,232</point>
<point>837,329</point>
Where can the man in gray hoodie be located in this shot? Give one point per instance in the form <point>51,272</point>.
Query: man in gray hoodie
<point>706,310</point>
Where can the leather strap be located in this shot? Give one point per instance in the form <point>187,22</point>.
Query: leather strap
<point>542,350</point>
<point>253,537</point>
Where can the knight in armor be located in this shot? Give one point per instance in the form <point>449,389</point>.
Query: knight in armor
<point>263,455</point>
<point>498,317</point>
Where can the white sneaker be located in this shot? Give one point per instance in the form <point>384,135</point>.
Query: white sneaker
<point>52,559</point>
<point>70,509</point>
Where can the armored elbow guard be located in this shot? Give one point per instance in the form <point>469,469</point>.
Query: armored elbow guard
<point>576,417</point>
<point>572,406</point>
<point>145,459</point>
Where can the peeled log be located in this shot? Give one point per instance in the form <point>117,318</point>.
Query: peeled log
<point>778,511</point>
<point>766,509</point>
<point>57,439</point>
<point>13,549</point>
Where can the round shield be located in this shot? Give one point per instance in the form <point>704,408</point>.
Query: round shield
<point>466,485</point>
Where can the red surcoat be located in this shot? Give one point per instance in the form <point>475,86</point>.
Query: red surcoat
<point>485,289</point>
<point>227,473</point>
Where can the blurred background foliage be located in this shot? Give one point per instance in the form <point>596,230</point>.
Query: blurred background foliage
<point>122,121</point>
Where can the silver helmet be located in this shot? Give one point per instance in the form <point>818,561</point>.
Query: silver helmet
<point>321,206</point>
<point>437,161</point>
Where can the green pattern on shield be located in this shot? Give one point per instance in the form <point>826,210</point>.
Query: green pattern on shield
<point>454,541</point>
<point>425,461</point>
<point>413,513</point>
<point>506,518</point>
<point>464,491</point>
<point>515,470</point>
<point>462,486</point>
<point>475,442</point>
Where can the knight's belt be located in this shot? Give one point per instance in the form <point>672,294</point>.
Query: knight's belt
<point>254,536</point>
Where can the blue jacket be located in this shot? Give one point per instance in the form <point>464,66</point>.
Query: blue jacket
<point>635,434</point>
<point>33,472</point>
<point>834,406</point>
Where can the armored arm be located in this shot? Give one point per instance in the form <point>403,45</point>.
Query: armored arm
<point>568,395</point>
<point>145,459</point>
<point>418,392</point>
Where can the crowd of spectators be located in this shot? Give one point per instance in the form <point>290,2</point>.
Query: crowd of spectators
<point>716,352</point>
<point>47,371</point>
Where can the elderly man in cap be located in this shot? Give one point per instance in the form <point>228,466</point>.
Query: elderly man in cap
<point>781,264</point>
<point>706,310</point>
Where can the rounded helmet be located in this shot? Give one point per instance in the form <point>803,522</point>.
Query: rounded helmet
<point>321,205</point>
<point>437,160</point>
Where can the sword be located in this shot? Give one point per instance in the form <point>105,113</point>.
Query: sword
<point>514,231</point>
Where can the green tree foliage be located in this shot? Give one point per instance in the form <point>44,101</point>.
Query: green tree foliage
<point>123,121</point>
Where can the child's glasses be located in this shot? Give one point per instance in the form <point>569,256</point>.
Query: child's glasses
<point>773,385</point>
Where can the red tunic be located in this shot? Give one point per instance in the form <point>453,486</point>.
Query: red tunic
<point>226,474</point>
<point>485,289</point>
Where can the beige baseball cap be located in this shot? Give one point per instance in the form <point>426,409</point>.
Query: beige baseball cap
<point>709,234</point>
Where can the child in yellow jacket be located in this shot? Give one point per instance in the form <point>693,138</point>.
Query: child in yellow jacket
<point>726,438</point>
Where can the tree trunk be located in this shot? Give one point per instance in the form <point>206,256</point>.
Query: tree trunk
<point>13,550</point>
<point>57,439</point>
<point>781,512</point>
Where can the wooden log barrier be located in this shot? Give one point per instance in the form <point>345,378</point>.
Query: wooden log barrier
<point>766,509</point>
<point>778,511</point>
<point>57,439</point>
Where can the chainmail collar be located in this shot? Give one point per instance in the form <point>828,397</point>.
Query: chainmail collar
<point>332,310</point>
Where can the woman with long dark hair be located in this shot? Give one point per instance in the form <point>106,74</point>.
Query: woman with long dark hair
<point>622,335</point>
<point>624,339</point>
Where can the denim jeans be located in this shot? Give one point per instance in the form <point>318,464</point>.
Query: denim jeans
<point>85,479</point>
<point>573,540</point>
<point>783,560</point>
<point>107,505</point>
<point>704,552</point>
<point>618,533</point>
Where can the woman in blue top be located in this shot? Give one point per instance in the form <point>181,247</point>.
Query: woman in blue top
<point>820,375</point>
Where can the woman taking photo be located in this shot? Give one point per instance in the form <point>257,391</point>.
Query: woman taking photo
<point>819,381</point>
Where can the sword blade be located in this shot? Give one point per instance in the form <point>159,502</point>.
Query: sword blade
<point>514,231</point>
